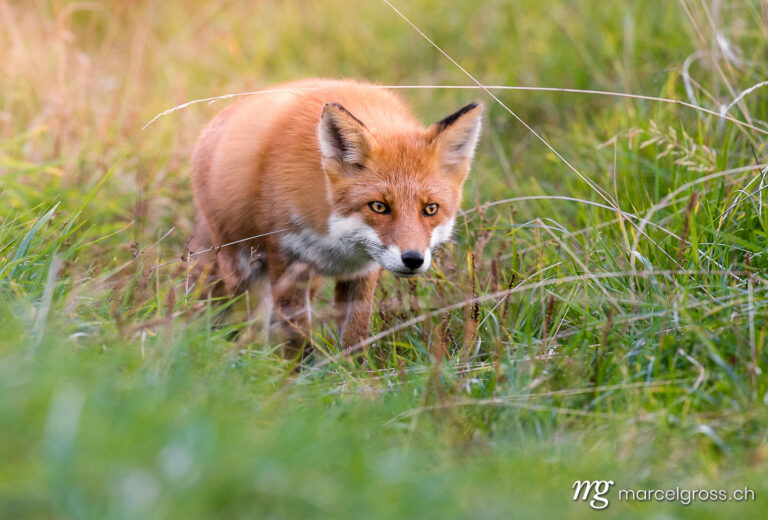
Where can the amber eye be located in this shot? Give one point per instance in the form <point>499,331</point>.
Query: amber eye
<point>430,209</point>
<point>378,207</point>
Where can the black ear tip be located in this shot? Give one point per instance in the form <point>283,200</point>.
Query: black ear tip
<point>334,109</point>
<point>333,106</point>
<point>448,121</point>
<point>472,106</point>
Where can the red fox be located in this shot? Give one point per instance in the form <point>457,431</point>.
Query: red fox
<point>339,179</point>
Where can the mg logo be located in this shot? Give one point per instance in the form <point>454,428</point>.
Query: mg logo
<point>597,489</point>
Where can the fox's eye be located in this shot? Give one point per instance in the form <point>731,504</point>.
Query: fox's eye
<point>378,207</point>
<point>430,209</point>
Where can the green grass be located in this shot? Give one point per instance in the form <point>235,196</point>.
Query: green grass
<point>563,336</point>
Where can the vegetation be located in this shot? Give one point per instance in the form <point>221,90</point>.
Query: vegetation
<point>601,318</point>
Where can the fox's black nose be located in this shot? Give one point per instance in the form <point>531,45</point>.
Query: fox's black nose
<point>413,259</point>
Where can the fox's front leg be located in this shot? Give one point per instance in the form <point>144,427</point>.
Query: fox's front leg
<point>354,302</point>
<point>291,284</point>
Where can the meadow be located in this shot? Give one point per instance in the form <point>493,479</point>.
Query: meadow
<point>601,314</point>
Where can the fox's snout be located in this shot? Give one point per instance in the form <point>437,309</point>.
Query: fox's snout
<point>412,259</point>
<point>413,262</point>
<point>408,245</point>
<point>410,262</point>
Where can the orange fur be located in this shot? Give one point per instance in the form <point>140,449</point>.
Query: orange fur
<point>311,160</point>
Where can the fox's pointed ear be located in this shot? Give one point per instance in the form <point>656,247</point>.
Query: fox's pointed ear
<point>344,140</point>
<point>456,137</point>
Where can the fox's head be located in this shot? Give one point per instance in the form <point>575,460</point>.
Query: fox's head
<point>395,192</point>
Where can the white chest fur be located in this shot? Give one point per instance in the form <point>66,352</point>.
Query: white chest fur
<point>340,251</point>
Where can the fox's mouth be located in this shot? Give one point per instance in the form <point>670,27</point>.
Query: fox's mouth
<point>406,274</point>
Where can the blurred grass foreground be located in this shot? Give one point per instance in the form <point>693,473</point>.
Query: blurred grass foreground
<point>600,315</point>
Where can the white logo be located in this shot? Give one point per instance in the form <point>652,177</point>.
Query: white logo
<point>601,487</point>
